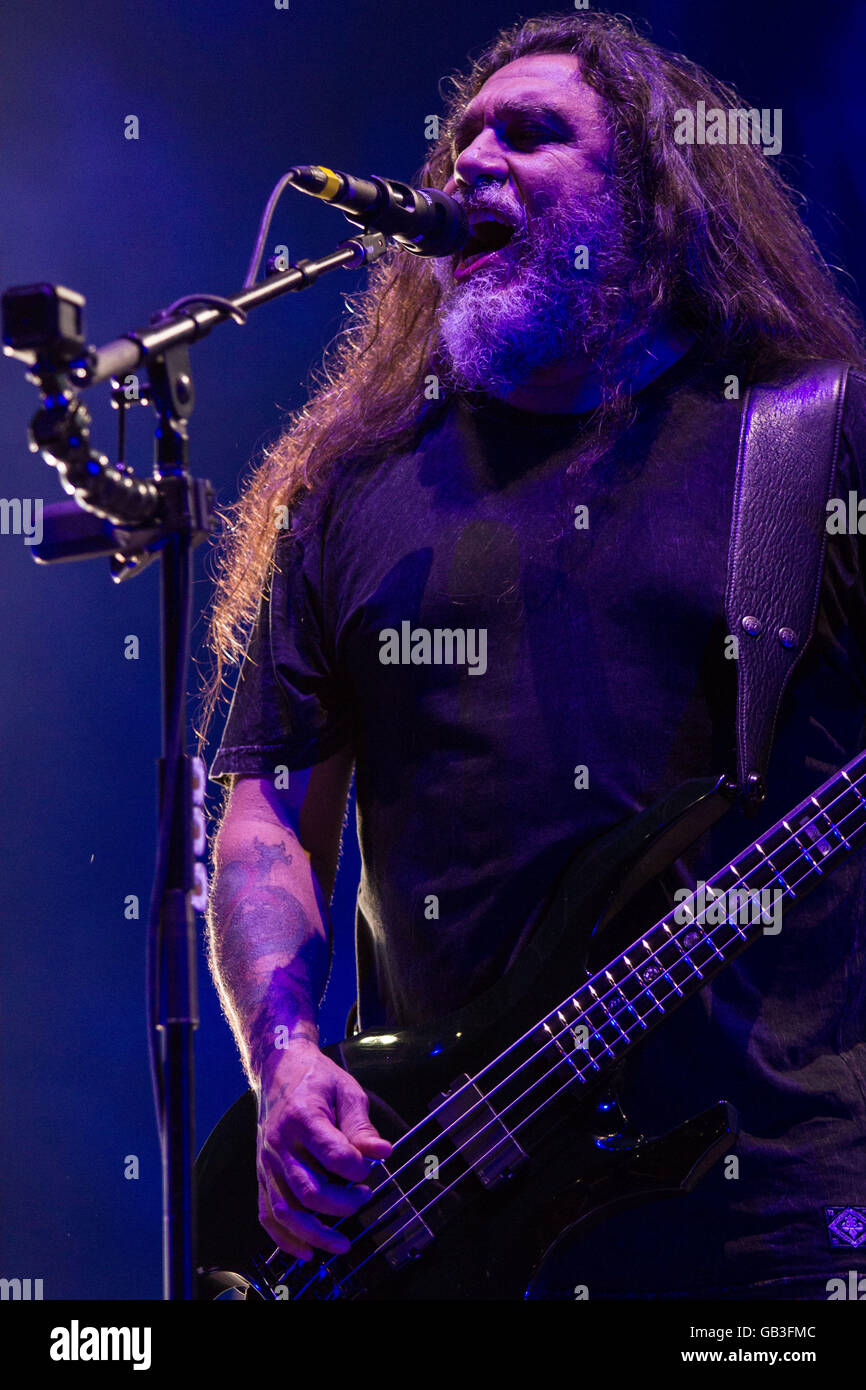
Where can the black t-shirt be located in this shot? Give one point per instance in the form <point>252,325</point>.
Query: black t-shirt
<point>583,676</point>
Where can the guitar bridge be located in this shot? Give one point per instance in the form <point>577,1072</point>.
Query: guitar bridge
<point>477,1133</point>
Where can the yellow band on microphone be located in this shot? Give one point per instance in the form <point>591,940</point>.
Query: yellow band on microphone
<point>332,187</point>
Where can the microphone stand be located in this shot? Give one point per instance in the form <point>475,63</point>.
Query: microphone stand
<point>133,520</point>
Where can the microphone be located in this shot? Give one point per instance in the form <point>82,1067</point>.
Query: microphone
<point>425,221</point>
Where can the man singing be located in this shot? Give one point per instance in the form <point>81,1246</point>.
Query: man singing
<point>532,445</point>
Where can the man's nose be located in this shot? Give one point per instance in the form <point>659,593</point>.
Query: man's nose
<point>483,159</point>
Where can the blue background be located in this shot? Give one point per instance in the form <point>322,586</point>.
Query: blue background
<point>228,95</point>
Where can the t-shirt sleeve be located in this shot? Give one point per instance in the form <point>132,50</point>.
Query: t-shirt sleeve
<point>289,707</point>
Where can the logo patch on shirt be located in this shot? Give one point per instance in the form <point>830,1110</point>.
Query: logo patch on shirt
<point>846,1225</point>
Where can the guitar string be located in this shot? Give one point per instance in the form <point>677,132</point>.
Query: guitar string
<point>803,854</point>
<point>575,1071</point>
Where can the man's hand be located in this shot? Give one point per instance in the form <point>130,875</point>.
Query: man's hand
<point>313,1122</point>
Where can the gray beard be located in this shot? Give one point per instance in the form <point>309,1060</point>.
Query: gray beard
<point>535,309</point>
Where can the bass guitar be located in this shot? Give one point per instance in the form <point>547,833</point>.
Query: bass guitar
<point>507,1133</point>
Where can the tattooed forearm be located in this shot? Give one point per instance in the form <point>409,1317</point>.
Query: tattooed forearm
<point>268,951</point>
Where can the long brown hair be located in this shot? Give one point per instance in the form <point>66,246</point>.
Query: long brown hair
<point>724,253</point>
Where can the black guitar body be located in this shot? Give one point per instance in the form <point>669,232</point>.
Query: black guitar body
<point>572,1164</point>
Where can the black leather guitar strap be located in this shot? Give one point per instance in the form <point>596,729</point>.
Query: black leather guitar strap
<point>786,466</point>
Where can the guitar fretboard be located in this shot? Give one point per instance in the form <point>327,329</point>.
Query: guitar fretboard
<point>682,952</point>
<point>596,1026</point>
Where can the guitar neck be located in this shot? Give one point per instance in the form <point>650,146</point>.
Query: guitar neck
<point>698,938</point>
<point>493,1113</point>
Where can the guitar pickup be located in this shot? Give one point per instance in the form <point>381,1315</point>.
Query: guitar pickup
<point>476,1132</point>
<point>393,1224</point>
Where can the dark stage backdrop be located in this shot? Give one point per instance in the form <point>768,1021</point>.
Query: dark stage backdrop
<point>227,94</point>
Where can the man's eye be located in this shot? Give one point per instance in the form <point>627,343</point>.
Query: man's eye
<point>521,135</point>
<point>529,135</point>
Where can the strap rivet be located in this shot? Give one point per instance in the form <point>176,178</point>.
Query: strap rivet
<point>753,626</point>
<point>756,791</point>
<point>787,637</point>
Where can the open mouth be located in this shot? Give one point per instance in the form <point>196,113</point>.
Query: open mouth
<point>491,232</point>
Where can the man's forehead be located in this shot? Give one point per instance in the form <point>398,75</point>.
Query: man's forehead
<point>539,78</point>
